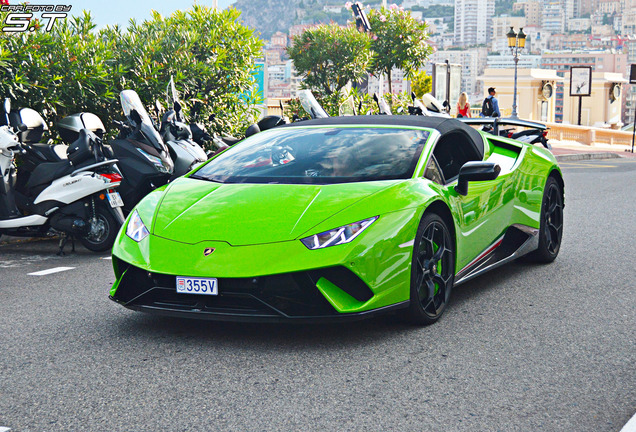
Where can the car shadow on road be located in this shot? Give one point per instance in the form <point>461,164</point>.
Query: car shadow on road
<point>496,279</point>
<point>309,336</point>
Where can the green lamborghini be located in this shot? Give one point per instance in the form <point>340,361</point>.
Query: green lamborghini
<point>339,218</point>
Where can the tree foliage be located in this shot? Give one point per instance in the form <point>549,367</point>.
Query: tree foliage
<point>76,68</point>
<point>209,54</point>
<point>67,70</point>
<point>421,83</point>
<point>398,40</point>
<point>330,56</point>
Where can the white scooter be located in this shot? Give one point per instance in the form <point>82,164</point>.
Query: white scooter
<point>74,198</point>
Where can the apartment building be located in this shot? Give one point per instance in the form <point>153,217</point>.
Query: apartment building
<point>473,21</point>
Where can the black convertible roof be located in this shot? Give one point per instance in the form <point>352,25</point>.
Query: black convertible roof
<point>443,125</point>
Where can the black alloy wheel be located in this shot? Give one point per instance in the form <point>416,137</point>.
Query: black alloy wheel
<point>432,270</point>
<point>551,230</point>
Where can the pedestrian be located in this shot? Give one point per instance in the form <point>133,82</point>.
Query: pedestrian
<point>490,107</point>
<point>463,107</point>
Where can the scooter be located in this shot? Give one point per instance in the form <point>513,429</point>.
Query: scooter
<point>429,106</point>
<point>144,158</point>
<point>146,161</point>
<point>75,197</point>
<point>176,133</point>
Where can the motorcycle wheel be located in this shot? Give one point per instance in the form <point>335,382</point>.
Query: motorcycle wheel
<point>102,231</point>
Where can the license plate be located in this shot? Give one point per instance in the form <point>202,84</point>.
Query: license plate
<point>114,199</point>
<point>190,285</point>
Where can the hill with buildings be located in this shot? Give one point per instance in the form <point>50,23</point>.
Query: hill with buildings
<point>269,16</point>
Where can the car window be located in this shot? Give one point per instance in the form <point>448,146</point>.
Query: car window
<point>319,156</point>
<point>452,151</point>
<point>432,171</point>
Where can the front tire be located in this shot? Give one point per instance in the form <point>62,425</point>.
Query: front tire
<point>102,231</point>
<point>432,270</point>
<point>551,229</point>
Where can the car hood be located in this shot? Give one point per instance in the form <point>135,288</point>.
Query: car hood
<point>193,210</point>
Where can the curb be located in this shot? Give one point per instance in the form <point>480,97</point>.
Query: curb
<point>587,156</point>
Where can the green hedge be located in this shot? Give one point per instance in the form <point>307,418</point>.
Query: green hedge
<point>76,67</point>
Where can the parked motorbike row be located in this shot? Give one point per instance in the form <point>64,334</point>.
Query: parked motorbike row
<point>84,188</point>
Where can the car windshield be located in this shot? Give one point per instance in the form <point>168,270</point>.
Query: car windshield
<point>322,155</point>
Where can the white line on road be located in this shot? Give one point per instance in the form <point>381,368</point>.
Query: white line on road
<point>630,426</point>
<point>108,257</point>
<point>50,271</point>
<point>4,429</point>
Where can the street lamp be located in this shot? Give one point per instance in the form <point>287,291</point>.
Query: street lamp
<point>516,41</point>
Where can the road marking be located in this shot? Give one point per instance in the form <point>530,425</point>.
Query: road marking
<point>630,426</point>
<point>4,429</point>
<point>106,258</point>
<point>50,271</point>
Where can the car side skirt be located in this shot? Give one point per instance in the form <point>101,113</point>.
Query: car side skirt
<point>517,241</point>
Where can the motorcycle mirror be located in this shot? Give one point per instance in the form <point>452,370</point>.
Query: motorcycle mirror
<point>22,127</point>
<point>134,115</point>
<point>413,97</point>
<point>282,109</point>
<point>7,105</point>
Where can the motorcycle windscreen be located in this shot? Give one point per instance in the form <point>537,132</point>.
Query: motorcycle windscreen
<point>130,101</point>
<point>311,105</point>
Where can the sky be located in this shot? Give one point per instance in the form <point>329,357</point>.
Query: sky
<point>109,12</point>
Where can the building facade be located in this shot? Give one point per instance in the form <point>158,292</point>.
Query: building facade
<point>473,21</point>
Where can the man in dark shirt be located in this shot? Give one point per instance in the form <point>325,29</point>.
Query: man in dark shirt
<point>490,108</point>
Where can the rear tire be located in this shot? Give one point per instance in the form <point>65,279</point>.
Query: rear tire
<point>102,231</point>
<point>432,270</point>
<point>551,229</point>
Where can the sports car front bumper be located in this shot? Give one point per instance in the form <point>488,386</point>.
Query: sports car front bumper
<point>283,297</point>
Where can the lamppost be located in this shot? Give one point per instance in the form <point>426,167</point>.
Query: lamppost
<point>516,41</point>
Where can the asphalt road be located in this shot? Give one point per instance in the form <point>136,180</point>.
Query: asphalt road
<point>526,348</point>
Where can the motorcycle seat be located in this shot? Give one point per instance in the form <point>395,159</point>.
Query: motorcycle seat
<point>46,153</point>
<point>45,173</point>
<point>230,140</point>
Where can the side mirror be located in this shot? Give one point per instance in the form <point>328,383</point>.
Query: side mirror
<point>7,105</point>
<point>476,171</point>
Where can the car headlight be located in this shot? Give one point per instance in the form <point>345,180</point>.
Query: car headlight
<point>136,229</point>
<point>337,236</point>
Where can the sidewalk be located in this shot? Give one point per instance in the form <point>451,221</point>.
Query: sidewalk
<point>573,151</point>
